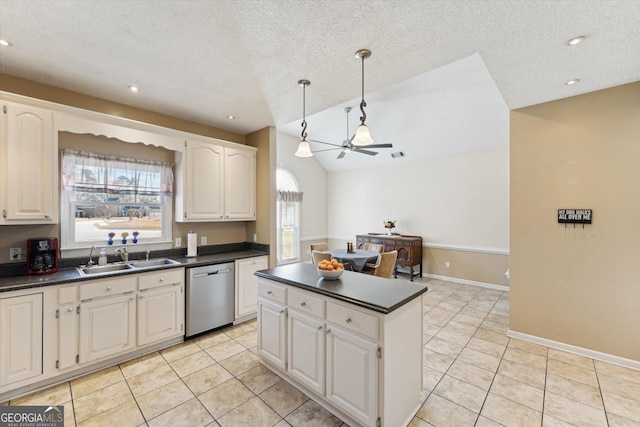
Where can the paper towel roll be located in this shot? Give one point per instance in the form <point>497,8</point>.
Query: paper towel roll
<point>192,244</point>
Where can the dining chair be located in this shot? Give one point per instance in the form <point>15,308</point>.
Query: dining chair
<point>319,246</point>
<point>376,247</point>
<point>387,264</point>
<point>317,256</point>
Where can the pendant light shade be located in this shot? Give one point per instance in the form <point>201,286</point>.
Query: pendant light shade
<point>362,137</point>
<point>303,148</point>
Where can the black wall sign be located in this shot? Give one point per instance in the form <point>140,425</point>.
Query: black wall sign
<point>574,216</point>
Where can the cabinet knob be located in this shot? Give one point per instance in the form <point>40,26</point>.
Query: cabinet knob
<point>131,298</point>
<point>269,293</point>
<point>328,330</point>
<point>303,303</point>
<point>348,320</point>
<point>162,279</point>
<point>141,296</point>
<point>70,309</point>
<point>282,311</point>
<point>319,327</point>
<point>109,288</point>
<point>47,216</point>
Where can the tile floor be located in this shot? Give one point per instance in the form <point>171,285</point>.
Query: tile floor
<point>474,375</point>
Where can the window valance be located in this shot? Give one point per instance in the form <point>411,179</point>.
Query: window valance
<point>97,173</point>
<point>289,196</point>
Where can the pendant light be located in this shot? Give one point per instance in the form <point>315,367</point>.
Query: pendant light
<point>362,136</point>
<point>303,148</point>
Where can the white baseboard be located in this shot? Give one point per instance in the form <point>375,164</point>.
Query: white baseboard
<point>580,351</point>
<point>468,282</point>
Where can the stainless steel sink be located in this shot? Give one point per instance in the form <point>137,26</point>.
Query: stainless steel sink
<point>103,269</point>
<point>153,263</point>
<point>95,270</point>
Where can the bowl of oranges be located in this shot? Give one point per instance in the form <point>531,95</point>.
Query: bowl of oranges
<point>330,269</point>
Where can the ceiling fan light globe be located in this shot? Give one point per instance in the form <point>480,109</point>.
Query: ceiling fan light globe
<point>362,137</point>
<point>303,149</point>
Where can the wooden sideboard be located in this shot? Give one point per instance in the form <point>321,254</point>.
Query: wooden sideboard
<point>409,249</point>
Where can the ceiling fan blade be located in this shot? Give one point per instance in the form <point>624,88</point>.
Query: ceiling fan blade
<point>341,155</point>
<point>326,143</point>
<point>360,150</point>
<point>328,149</point>
<point>380,146</point>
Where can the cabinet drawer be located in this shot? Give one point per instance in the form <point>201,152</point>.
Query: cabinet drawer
<point>157,279</point>
<point>306,303</point>
<point>356,321</point>
<point>108,287</point>
<point>67,294</point>
<point>272,291</point>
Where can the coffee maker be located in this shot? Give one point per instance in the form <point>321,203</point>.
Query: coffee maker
<point>42,255</point>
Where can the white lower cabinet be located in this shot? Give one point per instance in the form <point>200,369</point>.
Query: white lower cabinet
<point>247,285</point>
<point>306,350</point>
<point>335,353</point>
<point>272,332</point>
<point>20,338</point>
<point>352,374</point>
<point>107,327</point>
<point>160,306</point>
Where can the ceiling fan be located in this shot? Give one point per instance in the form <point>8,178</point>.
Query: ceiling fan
<point>347,146</point>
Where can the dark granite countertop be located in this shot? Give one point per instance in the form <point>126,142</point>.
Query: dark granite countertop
<point>375,293</point>
<point>69,275</point>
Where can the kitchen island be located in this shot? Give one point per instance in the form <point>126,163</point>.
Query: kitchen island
<point>354,345</point>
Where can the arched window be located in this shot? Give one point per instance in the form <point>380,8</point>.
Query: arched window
<point>289,198</point>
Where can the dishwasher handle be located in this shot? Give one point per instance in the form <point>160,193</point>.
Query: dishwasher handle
<point>211,273</point>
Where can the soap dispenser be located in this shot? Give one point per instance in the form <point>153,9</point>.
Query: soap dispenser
<point>102,260</point>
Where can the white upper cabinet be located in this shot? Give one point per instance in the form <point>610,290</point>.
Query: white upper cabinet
<point>200,179</point>
<point>240,180</point>
<point>215,182</point>
<point>28,161</point>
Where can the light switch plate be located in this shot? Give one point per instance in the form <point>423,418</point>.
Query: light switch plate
<point>178,242</point>
<point>203,240</point>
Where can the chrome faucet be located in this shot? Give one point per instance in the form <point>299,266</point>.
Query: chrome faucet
<point>90,263</point>
<point>122,253</point>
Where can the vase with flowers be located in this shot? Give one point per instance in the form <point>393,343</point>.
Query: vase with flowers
<point>124,237</point>
<point>111,236</point>
<point>389,224</point>
<point>135,237</point>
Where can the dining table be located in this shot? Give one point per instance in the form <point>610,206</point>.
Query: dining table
<point>358,258</point>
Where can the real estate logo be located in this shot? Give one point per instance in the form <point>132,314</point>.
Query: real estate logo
<point>32,416</point>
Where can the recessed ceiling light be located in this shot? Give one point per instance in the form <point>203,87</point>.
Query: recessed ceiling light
<point>3,42</point>
<point>572,82</point>
<point>574,41</point>
<point>133,88</point>
<point>230,117</point>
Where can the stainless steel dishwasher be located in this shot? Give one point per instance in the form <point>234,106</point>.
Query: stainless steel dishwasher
<point>210,297</point>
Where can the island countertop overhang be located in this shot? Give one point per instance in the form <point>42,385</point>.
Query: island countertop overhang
<point>375,293</point>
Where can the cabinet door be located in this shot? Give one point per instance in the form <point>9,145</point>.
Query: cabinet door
<point>67,336</point>
<point>240,195</point>
<point>272,332</point>
<point>30,195</point>
<point>21,338</point>
<point>306,355</point>
<point>247,285</point>
<point>107,327</point>
<point>160,314</point>
<point>352,374</point>
<point>203,182</point>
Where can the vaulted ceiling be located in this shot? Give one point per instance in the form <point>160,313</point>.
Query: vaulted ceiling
<point>432,61</point>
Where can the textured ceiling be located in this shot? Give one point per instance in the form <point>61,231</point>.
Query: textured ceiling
<point>203,60</point>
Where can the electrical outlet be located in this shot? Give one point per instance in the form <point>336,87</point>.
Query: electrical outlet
<point>447,264</point>
<point>15,253</point>
<point>203,240</point>
<point>178,242</point>
<point>255,237</point>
